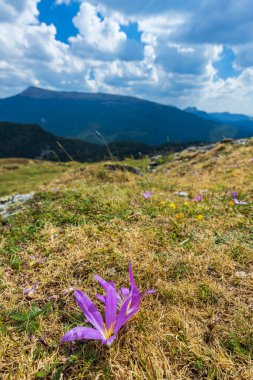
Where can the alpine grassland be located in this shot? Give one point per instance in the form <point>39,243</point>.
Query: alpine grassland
<point>187,229</point>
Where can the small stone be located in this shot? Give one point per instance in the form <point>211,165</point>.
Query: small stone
<point>12,205</point>
<point>241,274</point>
<point>181,193</point>
<point>122,168</point>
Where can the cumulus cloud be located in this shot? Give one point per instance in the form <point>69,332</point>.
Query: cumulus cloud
<point>102,33</point>
<point>186,59</point>
<point>18,11</point>
<point>101,37</point>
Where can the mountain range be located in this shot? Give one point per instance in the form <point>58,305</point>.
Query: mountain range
<point>116,117</point>
<point>224,117</point>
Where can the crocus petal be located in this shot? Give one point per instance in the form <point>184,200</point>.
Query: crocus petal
<point>147,194</point>
<point>102,282</point>
<point>125,292</point>
<point>198,198</point>
<point>131,278</point>
<point>109,341</point>
<point>237,202</point>
<point>110,307</point>
<point>135,301</point>
<point>148,292</point>
<point>101,298</point>
<point>81,333</point>
<point>90,311</point>
<point>123,317</point>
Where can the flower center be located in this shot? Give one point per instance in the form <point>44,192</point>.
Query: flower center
<point>109,333</point>
<point>128,310</point>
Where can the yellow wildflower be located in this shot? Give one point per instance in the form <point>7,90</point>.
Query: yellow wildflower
<point>231,203</point>
<point>173,206</point>
<point>180,215</point>
<point>200,217</point>
<point>186,203</point>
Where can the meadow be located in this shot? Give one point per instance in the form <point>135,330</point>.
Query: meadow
<point>194,249</point>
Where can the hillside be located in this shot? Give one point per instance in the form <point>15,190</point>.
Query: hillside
<point>118,118</point>
<point>195,253</point>
<point>31,141</point>
<point>242,122</point>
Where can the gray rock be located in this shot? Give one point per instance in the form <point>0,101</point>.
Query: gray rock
<point>181,193</point>
<point>123,168</point>
<point>157,157</point>
<point>11,205</point>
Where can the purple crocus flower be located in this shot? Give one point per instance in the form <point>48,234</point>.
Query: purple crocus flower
<point>127,302</point>
<point>107,330</point>
<point>234,194</point>
<point>198,198</point>
<point>237,202</point>
<point>147,194</point>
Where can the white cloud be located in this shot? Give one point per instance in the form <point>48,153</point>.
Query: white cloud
<point>100,37</point>
<point>102,34</point>
<point>18,11</point>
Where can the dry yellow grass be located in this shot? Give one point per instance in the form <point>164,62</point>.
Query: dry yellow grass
<point>199,323</point>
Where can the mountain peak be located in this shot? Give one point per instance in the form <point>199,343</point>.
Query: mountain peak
<point>41,93</point>
<point>191,109</point>
<point>37,92</point>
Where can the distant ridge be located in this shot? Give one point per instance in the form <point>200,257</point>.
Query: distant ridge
<point>116,117</point>
<point>224,117</point>
<point>40,93</point>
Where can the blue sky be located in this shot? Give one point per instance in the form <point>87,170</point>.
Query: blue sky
<point>60,16</point>
<point>194,52</point>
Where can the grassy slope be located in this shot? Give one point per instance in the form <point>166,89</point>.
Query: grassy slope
<point>199,323</point>
<point>22,175</point>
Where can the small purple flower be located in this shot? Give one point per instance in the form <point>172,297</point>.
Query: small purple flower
<point>234,194</point>
<point>127,303</point>
<point>56,189</point>
<point>237,202</point>
<point>31,291</point>
<point>147,194</point>
<point>198,198</point>
<point>168,171</point>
